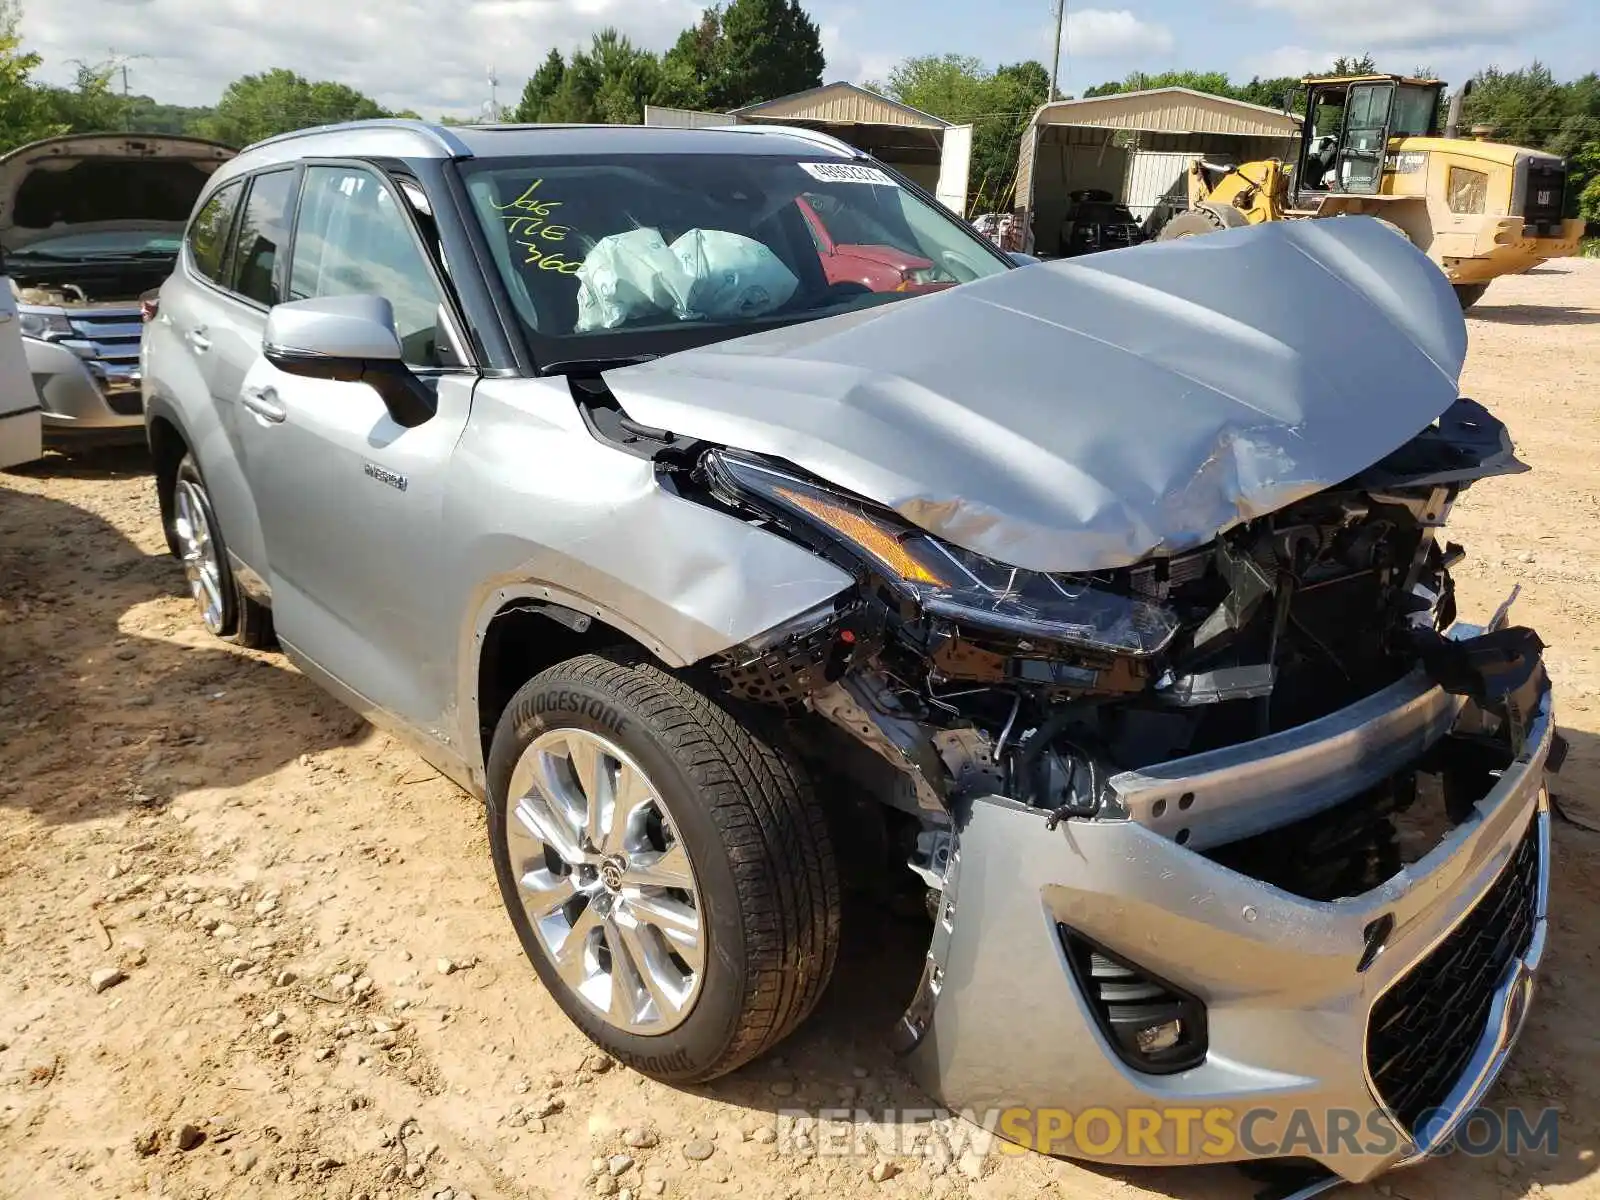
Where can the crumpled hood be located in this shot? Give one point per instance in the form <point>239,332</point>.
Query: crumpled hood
<point>1084,415</point>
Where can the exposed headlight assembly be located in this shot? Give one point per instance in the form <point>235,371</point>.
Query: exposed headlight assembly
<point>946,580</point>
<point>43,324</point>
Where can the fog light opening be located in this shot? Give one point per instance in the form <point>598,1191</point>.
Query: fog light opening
<point>1151,1025</point>
<point>1153,1039</point>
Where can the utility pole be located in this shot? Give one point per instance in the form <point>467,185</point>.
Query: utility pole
<point>494,96</point>
<point>1055,62</point>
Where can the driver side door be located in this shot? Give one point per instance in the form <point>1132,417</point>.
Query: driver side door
<point>1365,143</point>
<point>350,501</point>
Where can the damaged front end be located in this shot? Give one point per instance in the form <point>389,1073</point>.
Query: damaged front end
<point>1259,824</point>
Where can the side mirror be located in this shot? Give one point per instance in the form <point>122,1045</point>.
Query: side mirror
<point>1021,259</point>
<point>349,339</point>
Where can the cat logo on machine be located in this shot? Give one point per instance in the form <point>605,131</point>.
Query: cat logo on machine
<point>1407,162</point>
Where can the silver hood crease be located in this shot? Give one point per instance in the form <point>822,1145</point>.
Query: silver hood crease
<point>1085,415</point>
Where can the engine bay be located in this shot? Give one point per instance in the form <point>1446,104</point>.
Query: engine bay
<point>1278,623</point>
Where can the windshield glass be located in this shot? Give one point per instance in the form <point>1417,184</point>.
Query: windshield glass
<point>111,243</point>
<point>614,257</point>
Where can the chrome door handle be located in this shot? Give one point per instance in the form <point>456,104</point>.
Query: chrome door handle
<point>198,340</point>
<point>264,403</point>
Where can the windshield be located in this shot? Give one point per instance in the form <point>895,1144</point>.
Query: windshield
<point>608,258</point>
<point>117,243</point>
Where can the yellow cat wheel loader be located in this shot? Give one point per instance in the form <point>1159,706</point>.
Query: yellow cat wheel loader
<point>1371,145</point>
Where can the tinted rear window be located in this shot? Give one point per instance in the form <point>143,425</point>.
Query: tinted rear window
<point>208,235</point>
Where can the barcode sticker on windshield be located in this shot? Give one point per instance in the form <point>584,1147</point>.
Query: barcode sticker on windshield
<point>846,173</point>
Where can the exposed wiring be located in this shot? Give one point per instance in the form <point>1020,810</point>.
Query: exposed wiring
<point>1073,808</point>
<point>1005,733</point>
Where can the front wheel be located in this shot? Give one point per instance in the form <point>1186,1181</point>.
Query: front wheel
<point>1207,218</point>
<point>665,865</point>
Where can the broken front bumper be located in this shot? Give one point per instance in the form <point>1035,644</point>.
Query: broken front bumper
<point>1299,995</point>
<point>85,398</point>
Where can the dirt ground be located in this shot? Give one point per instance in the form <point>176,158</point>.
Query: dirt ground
<point>323,998</point>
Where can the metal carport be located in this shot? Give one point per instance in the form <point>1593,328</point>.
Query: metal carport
<point>1137,146</point>
<point>927,150</point>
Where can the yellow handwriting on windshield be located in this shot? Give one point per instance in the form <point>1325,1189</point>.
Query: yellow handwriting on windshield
<point>528,218</point>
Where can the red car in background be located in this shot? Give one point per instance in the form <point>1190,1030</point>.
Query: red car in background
<point>870,261</point>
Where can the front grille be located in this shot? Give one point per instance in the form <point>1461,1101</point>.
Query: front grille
<point>108,336</point>
<point>1544,196</point>
<point>1424,1029</point>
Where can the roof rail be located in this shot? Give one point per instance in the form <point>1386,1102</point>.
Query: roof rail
<point>439,134</point>
<point>815,137</point>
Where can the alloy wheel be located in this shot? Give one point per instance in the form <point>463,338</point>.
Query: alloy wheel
<point>198,552</point>
<point>606,884</point>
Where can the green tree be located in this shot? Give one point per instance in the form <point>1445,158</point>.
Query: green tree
<point>541,88</point>
<point>89,105</point>
<point>1214,82</point>
<point>1528,107</point>
<point>1365,65</point>
<point>625,77</point>
<point>691,70</point>
<point>26,114</point>
<point>768,48</point>
<point>1284,92</point>
<point>278,101</point>
<point>997,104</point>
<point>142,114</point>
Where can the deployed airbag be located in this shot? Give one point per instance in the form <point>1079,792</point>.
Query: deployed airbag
<point>1087,414</point>
<point>707,274</point>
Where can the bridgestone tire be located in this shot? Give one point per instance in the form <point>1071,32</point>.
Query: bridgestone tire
<point>757,841</point>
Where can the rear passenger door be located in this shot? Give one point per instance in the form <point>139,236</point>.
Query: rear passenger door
<point>349,500</point>
<point>217,319</point>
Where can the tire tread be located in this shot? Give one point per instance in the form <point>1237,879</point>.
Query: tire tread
<point>774,831</point>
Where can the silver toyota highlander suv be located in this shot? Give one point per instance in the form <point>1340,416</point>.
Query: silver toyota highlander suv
<point>1103,603</point>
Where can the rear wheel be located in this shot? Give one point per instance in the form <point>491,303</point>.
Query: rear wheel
<point>665,865</point>
<point>224,609</point>
<point>1469,294</point>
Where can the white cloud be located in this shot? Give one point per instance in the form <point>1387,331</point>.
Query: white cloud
<point>1288,60</point>
<point>428,55</point>
<point>847,61</point>
<point>1112,33</point>
<point>1411,25</point>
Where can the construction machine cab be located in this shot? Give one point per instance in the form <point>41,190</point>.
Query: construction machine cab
<point>1348,123</point>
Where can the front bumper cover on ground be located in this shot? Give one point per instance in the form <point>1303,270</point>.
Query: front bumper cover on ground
<point>1000,1024</point>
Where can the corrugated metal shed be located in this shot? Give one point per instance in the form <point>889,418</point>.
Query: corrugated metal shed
<point>1170,110</point>
<point>682,118</point>
<point>1169,118</point>
<point>840,104</point>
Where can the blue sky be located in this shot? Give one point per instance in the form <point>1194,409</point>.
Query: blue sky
<point>1109,38</point>
<point>434,55</point>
